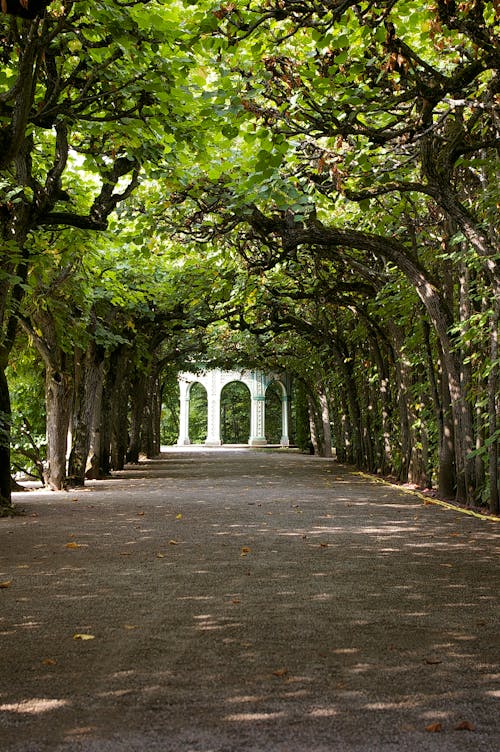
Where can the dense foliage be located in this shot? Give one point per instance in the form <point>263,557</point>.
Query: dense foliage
<point>299,186</point>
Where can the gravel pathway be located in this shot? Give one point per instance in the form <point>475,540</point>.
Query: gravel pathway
<point>241,600</point>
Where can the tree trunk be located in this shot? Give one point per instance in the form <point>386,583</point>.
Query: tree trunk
<point>88,392</point>
<point>402,377</point>
<point>447,470</point>
<point>137,404</point>
<point>385,453</point>
<point>466,387</point>
<point>104,430</point>
<point>119,408</point>
<point>313,428</point>
<point>325,422</point>
<point>5,418</point>
<point>58,392</point>
<point>493,412</point>
<point>152,415</point>
<point>366,424</point>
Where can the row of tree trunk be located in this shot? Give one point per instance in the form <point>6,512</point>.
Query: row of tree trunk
<point>395,419</point>
<point>107,412</point>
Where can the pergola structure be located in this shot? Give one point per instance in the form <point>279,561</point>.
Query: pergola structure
<point>214,381</point>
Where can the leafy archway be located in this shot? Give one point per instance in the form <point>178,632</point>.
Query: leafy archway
<point>235,413</point>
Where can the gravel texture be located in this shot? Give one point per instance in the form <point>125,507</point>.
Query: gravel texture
<point>236,599</point>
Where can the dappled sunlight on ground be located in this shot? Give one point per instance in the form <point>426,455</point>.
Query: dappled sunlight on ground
<point>246,603</point>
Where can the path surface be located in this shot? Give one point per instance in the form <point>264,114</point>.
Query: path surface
<point>246,601</point>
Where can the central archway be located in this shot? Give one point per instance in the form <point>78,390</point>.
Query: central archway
<point>235,406</point>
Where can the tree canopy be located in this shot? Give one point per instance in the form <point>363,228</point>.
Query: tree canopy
<point>305,186</point>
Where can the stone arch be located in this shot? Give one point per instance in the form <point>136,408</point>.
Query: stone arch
<point>197,398</point>
<point>232,394</point>
<point>214,381</point>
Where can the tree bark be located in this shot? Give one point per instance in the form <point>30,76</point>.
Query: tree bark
<point>5,418</point>
<point>325,422</point>
<point>137,406</point>
<point>87,395</point>
<point>104,429</point>
<point>58,393</point>
<point>313,428</point>
<point>119,408</point>
<point>493,412</point>
<point>447,470</point>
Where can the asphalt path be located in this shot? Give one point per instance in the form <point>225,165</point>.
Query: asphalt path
<point>238,600</point>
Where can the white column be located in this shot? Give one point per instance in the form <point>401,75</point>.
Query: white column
<point>257,420</point>
<point>284,441</point>
<point>184,414</point>
<point>213,403</point>
<point>257,409</point>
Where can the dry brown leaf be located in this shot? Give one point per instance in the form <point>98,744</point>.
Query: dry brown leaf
<point>465,726</point>
<point>432,661</point>
<point>280,672</point>
<point>245,550</point>
<point>49,662</point>
<point>131,626</point>
<point>173,542</point>
<point>72,544</point>
<point>323,545</point>
<point>79,636</point>
<point>434,727</point>
<point>5,584</point>
<point>160,556</point>
<point>178,516</point>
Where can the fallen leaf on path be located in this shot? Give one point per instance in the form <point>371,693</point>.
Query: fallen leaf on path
<point>245,550</point>
<point>173,542</point>
<point>465,726</point>
<point>236,600</point>
<point>141,514</point>
<point>434,727</point>
<point>49,662</point>
<point>5,584</point>
<point>323,545</point>
<point>131,626</point>
<point>178,516</point>
<point>73,544</point>
<point>84,637</point>
<point>280,672</point>
<point>160,556</point>
<point>432,661</point>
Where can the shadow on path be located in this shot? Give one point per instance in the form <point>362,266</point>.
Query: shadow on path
<point>246,600</point>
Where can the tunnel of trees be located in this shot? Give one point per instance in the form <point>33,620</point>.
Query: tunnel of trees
<point>309,187</point>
